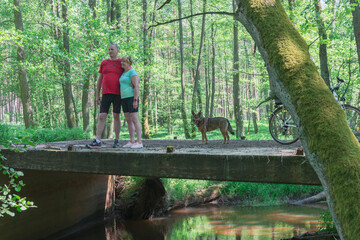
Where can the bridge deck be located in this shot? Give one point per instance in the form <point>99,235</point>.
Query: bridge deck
<point>246,161</point>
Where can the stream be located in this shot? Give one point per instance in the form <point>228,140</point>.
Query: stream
<point>211,222</point>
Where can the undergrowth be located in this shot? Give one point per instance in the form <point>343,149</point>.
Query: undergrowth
<point>40,135</point>
<point>178,131</point>
<point>326,223</point>
<point>244,192</point>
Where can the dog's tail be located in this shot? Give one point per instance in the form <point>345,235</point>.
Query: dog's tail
<point>230,128</point>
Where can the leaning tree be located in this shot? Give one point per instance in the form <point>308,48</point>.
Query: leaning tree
<point>329,144</point>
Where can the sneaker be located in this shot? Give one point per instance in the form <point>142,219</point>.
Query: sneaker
<point>137,145</point>
<point>116,143</point>
<point>128,145</point>
<point>94,144</point>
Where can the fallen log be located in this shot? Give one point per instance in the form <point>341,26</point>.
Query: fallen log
<point>313,199</point>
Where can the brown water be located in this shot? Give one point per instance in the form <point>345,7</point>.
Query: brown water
<point>245,223</point>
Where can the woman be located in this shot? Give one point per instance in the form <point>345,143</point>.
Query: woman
<point>129,87</point>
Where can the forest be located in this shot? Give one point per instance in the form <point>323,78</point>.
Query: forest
<point>190,55</point>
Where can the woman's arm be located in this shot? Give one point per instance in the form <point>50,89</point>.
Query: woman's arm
<point>135,82</point>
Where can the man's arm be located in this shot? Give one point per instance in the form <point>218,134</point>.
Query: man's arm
<point>98,88</point>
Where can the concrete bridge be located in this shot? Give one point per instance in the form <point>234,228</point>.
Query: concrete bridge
<point>245,161</point>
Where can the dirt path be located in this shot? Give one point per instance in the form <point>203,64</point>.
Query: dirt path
<point>212,144</point>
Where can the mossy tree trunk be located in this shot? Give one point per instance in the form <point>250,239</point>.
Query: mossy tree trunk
<point>66,85</point>
<point>329,144</point>
<point>23,78</point>
<point>182,74</point>
<point>146,77</point>
<point>89,78</point>
<point>193,64</point>
<point>212,71</point>
<point>238,111</point>
<point>196,96</point>
<point>324,69</point>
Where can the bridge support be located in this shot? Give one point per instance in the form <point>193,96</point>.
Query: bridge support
<point>65,203</point>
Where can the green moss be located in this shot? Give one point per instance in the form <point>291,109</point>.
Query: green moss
<point>325,129</point>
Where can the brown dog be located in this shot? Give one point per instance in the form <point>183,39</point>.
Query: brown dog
<point>209,124</point>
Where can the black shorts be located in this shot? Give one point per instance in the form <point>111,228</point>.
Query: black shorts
<point>106,101</point>
<point>127,105</point>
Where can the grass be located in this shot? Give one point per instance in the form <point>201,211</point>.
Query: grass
<point>39,135</point>
<point>244,192</point>
<point>178,131</point>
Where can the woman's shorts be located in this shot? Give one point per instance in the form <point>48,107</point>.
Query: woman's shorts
<point>127,105</point>
<point>106,101</point>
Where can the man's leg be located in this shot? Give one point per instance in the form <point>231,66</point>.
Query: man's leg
<point>117,124</point>
<point>100,125</point>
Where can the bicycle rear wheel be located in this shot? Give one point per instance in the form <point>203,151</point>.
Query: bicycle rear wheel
<point>282,127</point>
<point>353,119</point>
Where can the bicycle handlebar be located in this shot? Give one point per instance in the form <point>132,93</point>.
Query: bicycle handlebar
<point>340,80</point>
<point>337,86</point>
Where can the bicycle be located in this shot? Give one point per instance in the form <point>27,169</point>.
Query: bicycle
<point>284,130</point>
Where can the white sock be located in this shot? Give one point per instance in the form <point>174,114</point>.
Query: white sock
<point>98,141</point>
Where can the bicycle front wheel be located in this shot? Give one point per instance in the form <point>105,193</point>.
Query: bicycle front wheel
<point>282,127</point>
<point>353,119</point>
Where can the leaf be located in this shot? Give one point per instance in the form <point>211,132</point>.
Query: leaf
<point>10,213</point>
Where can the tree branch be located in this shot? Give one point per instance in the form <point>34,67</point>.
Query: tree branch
<point>319,35</point>
<point>190,16</point>
<point>8,57</point>
<point>167,2</point>
<point>271,97</point>
<point>1,22</point>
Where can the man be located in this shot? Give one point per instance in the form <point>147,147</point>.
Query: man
<point>109,74</point>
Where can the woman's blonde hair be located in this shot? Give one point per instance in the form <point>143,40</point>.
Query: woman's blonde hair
<point>127,59</point>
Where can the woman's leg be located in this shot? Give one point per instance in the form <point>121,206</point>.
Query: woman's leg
<point>137,125</point>
<point>130,127</point>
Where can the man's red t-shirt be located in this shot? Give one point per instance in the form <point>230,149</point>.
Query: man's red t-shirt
<point>111,71</point>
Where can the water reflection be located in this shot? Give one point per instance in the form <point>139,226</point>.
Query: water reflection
<point>261,223</point>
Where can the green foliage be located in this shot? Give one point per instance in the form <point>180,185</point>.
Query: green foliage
<point>12,136</point>
<point>247,193</point>
<point>178,131</point>
<point>180,189</point>
<point>90,36</point>
<point>18,134</point>
<point>9,198</point>
<point>55,134</point>
<point>132,185</point>
<point>5,133</point>
<point>326,222</point>
<point>265,193</point>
